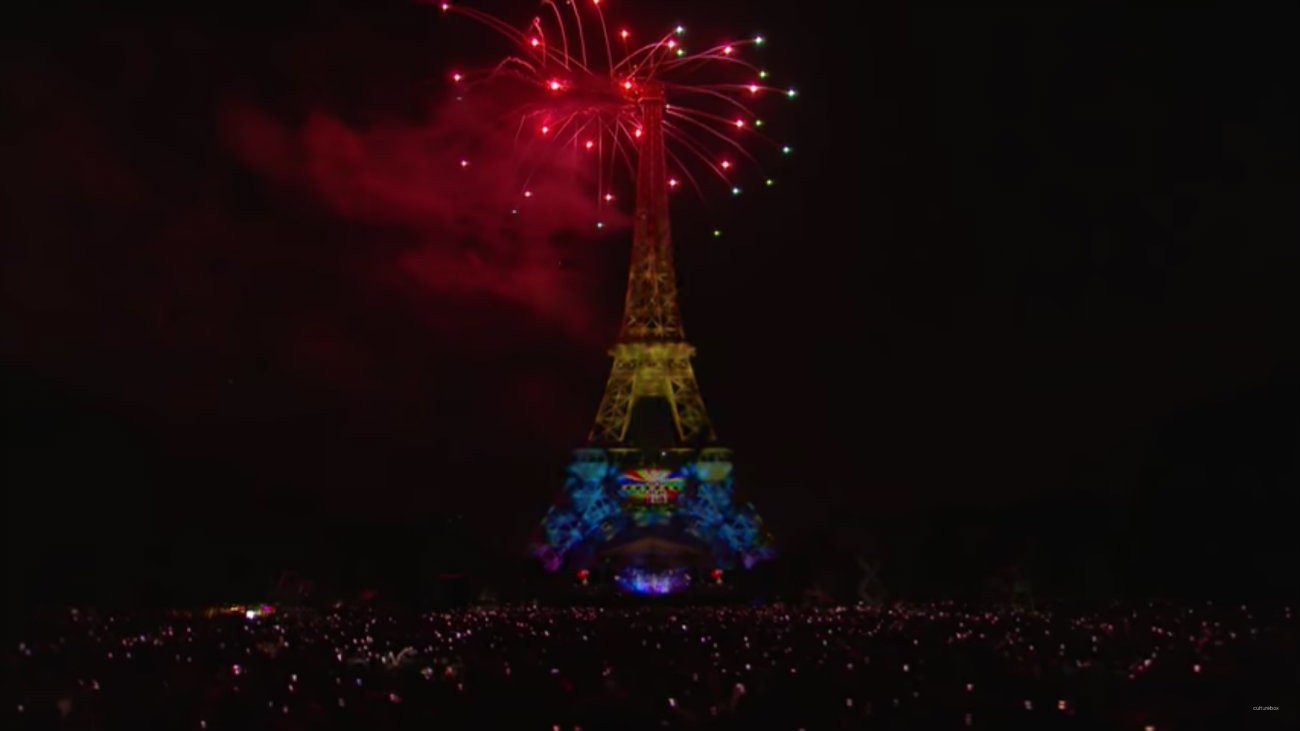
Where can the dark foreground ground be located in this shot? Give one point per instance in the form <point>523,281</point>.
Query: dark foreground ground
<point>907,666</point>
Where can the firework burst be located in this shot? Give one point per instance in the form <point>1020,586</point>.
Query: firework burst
<point>587,84</point>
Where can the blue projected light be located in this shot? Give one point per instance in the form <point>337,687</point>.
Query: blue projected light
<point>602,501</point>
<point>640,581</point>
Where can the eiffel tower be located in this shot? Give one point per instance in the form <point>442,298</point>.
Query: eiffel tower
<point>649,500</point>
<point>652,360</point>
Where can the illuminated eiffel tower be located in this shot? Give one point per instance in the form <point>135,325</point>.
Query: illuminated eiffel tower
<point>649,501</point>
<point>652,360</point>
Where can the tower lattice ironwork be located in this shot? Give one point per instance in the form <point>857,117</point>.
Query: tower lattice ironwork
<point>652,359</point>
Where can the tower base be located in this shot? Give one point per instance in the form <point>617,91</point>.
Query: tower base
<point>651,522</point>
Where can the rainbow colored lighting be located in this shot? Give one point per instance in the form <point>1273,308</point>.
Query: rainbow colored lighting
<point>602,501</point>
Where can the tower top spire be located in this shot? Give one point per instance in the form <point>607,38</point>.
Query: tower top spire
<point>650,313</point>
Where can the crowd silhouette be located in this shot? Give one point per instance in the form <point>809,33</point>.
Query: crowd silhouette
<point>925,666</point>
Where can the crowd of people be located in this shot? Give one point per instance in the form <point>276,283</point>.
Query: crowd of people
<point>930,666</point>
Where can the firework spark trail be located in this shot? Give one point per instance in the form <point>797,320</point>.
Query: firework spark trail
<point>586,107</point>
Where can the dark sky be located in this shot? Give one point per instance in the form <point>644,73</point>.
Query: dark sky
<point>1014,255</point>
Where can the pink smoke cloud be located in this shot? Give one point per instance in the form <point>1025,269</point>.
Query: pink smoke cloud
<point>457,184</point>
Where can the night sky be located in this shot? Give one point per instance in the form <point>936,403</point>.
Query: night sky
<point>1039,265</point>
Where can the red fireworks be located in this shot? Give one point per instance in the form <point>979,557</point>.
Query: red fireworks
<point>589,82</point>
